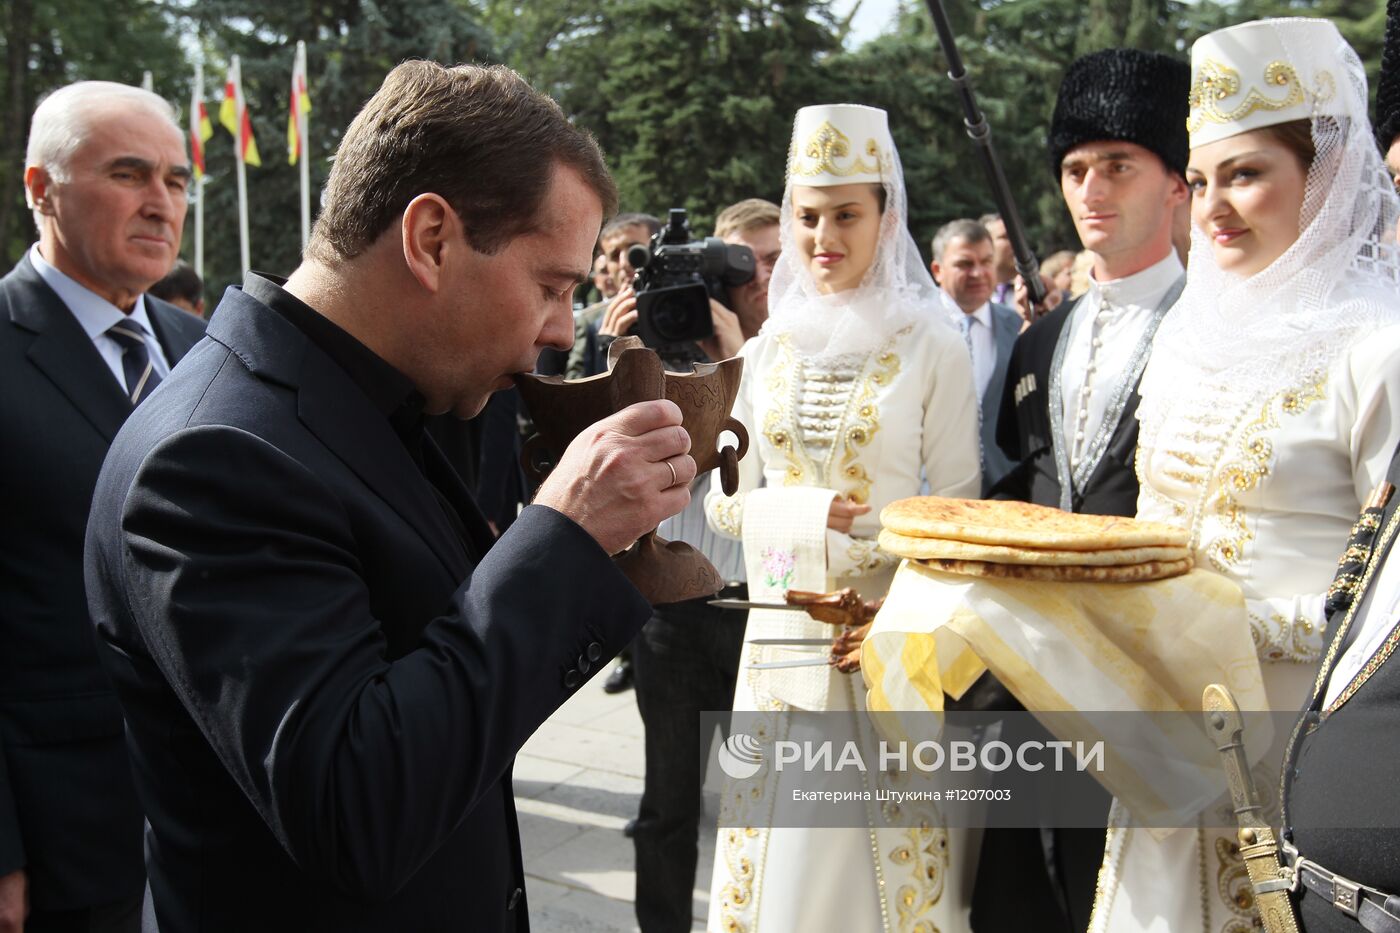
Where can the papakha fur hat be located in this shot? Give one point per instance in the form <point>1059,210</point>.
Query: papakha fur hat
<point>1388,86</point>
<point>1124,94</point>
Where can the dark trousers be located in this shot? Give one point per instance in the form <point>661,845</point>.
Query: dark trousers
<point>1054,870</point>
<point>123,917</point>
<point>686,660</point>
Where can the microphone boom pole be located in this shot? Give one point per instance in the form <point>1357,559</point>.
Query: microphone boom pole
<point>981,135</point>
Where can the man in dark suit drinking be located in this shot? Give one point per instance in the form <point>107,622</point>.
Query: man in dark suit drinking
<point>326,664</point>
<point>80,346</point>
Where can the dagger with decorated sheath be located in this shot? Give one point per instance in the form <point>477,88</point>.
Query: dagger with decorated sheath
<point>1270,880</point>
<point>842,607</point>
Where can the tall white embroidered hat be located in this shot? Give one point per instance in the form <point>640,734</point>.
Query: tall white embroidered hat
<point>1262,73</point>
<point>840,144</point>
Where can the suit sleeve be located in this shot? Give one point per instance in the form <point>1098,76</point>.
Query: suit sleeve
<point>240,569</point>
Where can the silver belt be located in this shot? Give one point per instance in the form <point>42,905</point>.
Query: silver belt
<point>1372,908</point>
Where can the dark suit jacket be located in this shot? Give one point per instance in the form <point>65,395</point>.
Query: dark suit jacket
<point>1006,326</point>
<point>322,714</point>
<point>1342,767</point>
<point>68,811</point>
<point>1023,432</point>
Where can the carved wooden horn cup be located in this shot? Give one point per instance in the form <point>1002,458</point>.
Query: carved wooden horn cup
<point>664,571</point>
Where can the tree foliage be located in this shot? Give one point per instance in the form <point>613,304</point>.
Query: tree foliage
<point>692,102</point>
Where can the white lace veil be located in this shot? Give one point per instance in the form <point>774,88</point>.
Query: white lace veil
<point>897,289</point>
<point>1339,281</point>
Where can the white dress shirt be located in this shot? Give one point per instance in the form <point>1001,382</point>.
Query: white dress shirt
<point>1375,618</point>
<point>96,315</point>
<point>1106,326</point>
<point>977,332</point>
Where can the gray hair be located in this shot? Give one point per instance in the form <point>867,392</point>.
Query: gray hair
<point>963,229</point>
<point>61,121</point>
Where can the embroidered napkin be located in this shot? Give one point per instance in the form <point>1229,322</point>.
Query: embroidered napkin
<point>785,549</point>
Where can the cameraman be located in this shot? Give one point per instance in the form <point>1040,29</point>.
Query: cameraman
<point>686,657</point>
<point>619,235</point>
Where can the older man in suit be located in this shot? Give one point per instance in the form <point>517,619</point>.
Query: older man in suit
<point>80,347</point>
<point>326,662</point>
<point>964,266</point>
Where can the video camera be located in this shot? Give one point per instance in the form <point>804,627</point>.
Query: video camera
<point>678,277</point>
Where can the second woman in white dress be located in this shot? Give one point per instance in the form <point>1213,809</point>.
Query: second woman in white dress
<point>856,391</point>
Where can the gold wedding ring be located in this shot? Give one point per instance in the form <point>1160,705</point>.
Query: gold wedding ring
<point>675,480</point>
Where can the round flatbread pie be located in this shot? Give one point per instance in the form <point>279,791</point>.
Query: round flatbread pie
<point>1021,524</point>
<point>935,548</point>
<point>1132,573</point>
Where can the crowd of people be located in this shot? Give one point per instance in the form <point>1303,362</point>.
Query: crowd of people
<point>280,606</point>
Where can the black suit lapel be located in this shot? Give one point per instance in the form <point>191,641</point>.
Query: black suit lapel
<point>336,411</point>
<point>448,481</point>
<point>332,407</point>
<point>63,352</point>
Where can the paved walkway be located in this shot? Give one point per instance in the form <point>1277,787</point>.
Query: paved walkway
<point>577,781</point>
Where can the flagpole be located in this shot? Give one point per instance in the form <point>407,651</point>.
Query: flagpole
<point>305,155</point>
<point>242,175</point>
<point>195,99</point>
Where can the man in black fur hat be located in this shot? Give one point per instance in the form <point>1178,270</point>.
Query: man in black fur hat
<point>1118,148</point>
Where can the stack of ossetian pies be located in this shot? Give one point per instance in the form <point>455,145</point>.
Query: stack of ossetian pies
<point>1017,540</point>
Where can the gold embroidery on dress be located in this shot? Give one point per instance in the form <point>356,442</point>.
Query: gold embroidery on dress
<point>825,146</point>
<point>727,513</point>
<point>866,556</point>
<point>923,852</point>
<point>1281,639</point>
<point>1242,475</point>
<point>778,419</point>
<point>738,837</point>
<point>1215,82</point>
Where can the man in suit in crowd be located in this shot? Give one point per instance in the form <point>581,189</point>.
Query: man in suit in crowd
<point>80,345</point>
<point>619,235</point>
<point>964,267</point>
<point>1068,409</point>
<point>326,663</point>
<point>1003,259</point>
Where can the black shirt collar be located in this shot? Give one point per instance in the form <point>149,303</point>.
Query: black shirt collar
<point>389,391</point>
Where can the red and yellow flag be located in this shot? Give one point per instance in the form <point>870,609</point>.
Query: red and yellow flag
<point>233,114</point>
<point>299,107</point>
<point>200,129</point>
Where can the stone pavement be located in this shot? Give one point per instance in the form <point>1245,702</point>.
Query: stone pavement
<point>577,781</point>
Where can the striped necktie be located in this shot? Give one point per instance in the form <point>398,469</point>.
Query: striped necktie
<point>140,372</point>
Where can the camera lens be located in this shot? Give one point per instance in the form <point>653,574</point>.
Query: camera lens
<point>671,319</point>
